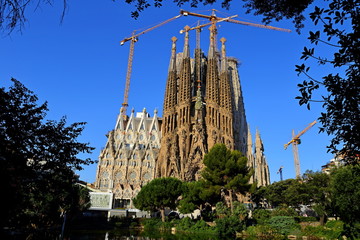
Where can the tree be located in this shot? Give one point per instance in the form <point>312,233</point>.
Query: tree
<point>195,195</point>
<point>344,185</point>
<point>37,160</point>
<point>289,192</point>
<point>159,194</point>
<point>317,186</point>
<point>227,170</point>
<point>13,12</point>
<point>340,25</point>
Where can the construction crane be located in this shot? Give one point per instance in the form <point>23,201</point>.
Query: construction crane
<point>213,18</point>
<point>280,171</point>
<point>295,141</point>
<point>133,39</point>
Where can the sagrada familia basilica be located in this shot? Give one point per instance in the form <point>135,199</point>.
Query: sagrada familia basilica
<point>203,105</point>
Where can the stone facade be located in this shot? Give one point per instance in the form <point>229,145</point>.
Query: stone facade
<point>129,157</point>
<point>203,106</point>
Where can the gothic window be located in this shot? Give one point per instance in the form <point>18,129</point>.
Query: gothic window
<point>121,156</point>
<point>134,156</point>
<point>118,175</point>
<point>118,136</point>
<point>142,127</point>
<point>130,126</point>
<point>132,175</point>
<point>141,137</point>
<point>152,138</point>
<point>147,176</point>
<point>148,157</point>
<point>107,155</point>
<point>129,137</point>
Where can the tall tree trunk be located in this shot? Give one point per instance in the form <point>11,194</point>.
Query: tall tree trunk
<point>231,201</point>
<point>323,219</point>
<point>162,211</point>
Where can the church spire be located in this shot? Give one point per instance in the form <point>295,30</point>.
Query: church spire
<point>223,56</point>
<point>171,91</point>
<point>212,46</point>
<point>186,52</point>
<point>172,65</point>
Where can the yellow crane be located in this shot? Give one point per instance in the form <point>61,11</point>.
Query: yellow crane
<point>213,18</point>
<point>133,39</point>
<point>295,141</point>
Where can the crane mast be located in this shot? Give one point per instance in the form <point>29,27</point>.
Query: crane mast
<point>295,141</point>
<point>133,39</point>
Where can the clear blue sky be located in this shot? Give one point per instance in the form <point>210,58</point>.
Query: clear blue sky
<point>80,68</point>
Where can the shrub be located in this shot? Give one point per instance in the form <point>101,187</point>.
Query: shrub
<point>184,224</point>
<point>284,211</point>
<point>305,219</point>
<point>228,226</point>
<point>332,230</point>
<point>261,216</point>
<point>262,232</point>
<point>194,226</point>
<point>156,223</point>
<point>283,224</point>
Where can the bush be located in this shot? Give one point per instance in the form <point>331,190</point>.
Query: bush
<point>261,216</point>
<point>284,211</point>
<point>184,224</point>
<point>229,225</point>
<point>262,232</point>
<point>195,226</point>
<point>283,224</point>
<point>305,219</point>
<point>156,223</point>
<point>331,230</point>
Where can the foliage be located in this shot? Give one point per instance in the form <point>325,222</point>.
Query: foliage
<point>241,211</point>
<point>195,226</point>
<point>283,224</point>
<point>263,232</point>
<point>229,222</point>
<point>159,194</point>
<point>261,216</point>
<point>345,182</point>
<point>332,230</point>
<point>317,186</point>
<point>289,192</point>
<point>38,159</point>
<point>284,211</point>
<point>227,226</point>
<point>195,195</point>
<point>227,170</point>
<point>13,12</point>
<point>339,24</point>
<point>152,223</point>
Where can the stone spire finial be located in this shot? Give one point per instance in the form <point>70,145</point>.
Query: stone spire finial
<point>258,141</point>
<point>223,54</point>
<point>172,65</point>
<point>211,53</point>
<point>186,52</point>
